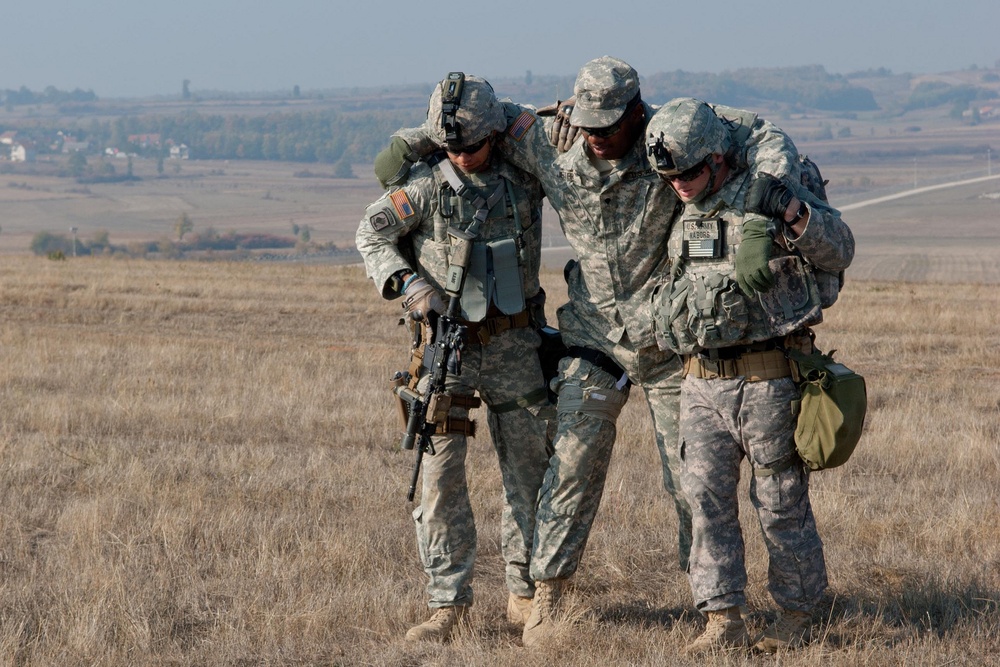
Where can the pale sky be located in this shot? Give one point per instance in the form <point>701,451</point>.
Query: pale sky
<point>136,48</point>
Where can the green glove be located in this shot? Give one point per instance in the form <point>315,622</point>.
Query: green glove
<point>752,272</point>
<point>392,165</point>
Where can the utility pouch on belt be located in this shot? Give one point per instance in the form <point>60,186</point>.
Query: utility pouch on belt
<point>831,410</point>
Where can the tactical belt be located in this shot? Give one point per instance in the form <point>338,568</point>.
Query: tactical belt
<point>752,366</point>
<point>484,330</point>
<point>602,361</point>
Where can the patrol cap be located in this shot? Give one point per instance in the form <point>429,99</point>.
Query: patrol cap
<point>468,111</point>
<point>603,89</point>
<point>682,133</point>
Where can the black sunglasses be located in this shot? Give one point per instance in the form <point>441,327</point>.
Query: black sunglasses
<point>689,175</point>
<point>473,148</point>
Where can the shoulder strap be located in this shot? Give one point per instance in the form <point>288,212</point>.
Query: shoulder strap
<point>479,202</point>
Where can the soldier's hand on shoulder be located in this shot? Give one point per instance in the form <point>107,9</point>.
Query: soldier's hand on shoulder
<point>562,135</point>
<point>752,272</point>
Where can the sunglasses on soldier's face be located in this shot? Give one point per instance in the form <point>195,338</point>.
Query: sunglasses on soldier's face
<point>473,148</point>
<point>689,175</point>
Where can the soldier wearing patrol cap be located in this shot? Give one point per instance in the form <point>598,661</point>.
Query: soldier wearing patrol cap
<point>741,290</point>
<point>616,214</point>
<point>406,238</point>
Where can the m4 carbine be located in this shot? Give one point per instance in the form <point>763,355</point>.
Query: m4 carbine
<point>442,354</point>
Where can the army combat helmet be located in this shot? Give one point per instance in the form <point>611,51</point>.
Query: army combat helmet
<point>463,111</point>
<point>683,135</point>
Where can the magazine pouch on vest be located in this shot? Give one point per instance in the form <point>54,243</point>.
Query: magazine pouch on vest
<point>704,310</point>
<point>831,410</point>
<point>494,277</point>
<point>717,310</point>
<point>504,277</point>
<point>794,301</point>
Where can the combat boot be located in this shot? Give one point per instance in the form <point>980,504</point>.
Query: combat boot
<point>790,630</point>
<point>724,631</point>
<point>518,609</point>
<point>541,624</point>
<point>438,627</point>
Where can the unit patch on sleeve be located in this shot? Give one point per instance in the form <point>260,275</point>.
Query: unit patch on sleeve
<point>381,220</point>
<point>521,124</point>
<point>402,203</point>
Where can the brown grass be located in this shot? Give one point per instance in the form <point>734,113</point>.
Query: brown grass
<point>200,467</point>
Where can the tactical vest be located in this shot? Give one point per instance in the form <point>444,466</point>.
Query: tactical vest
<point>701,306</point>
<point>504,266</point>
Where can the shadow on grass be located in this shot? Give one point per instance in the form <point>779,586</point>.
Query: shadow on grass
<point>642,615</point>
<point>915,607</point>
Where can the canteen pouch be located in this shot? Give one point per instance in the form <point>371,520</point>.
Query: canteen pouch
<point>831,409</point>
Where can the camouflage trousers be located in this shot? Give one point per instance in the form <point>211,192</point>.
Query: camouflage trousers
<point>723,421</point>
<point>502,371</point>
<point>584,440</point>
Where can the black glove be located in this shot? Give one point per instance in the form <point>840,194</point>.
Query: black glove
<point>392,165</point>
<point>752,272</point>
<point>769,197</point>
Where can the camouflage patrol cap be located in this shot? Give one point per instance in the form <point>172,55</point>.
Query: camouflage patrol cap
<point>603,89</point>
<point>479,113</point>
<point>682,133</point>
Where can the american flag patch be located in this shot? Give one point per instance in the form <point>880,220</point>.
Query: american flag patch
<point>404,209</point>
<point>521,124</point>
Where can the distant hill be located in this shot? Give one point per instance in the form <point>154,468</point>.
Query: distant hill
<point>351,125</point>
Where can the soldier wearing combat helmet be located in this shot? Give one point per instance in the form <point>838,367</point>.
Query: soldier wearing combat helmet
<point>616,214</point>
<point>465,193</point>
<point>741,290</point>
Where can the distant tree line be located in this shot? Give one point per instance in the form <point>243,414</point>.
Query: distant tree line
<point>51,95</point>
<point>810,87</point>
<point>358,123</point>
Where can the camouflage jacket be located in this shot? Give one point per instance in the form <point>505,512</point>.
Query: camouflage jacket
<point>408,229</point>
<point>616,224</point>
<point>700,306</point>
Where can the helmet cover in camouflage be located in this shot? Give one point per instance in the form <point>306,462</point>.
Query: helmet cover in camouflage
<point>603,89</point>
<point>682,133</point>
<point>479,113</point>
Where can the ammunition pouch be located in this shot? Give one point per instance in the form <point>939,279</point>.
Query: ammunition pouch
<point>700,310</point>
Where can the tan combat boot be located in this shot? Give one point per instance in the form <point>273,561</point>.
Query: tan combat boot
<point>518,609</point>
<point>541,624</point>
<point>790,630</point>
<point>725,630</point>
<point>438,627</point>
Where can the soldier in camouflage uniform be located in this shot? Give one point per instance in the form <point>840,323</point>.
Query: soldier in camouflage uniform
<point>404,239</point>
<point>616,213</point>
<point>742,288</point>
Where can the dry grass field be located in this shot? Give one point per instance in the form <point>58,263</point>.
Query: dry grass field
<point>200,467</point>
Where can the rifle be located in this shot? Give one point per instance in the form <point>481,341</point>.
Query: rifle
<point>442,355</point>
